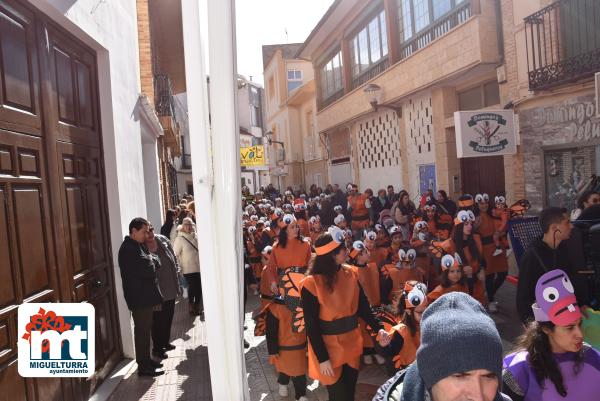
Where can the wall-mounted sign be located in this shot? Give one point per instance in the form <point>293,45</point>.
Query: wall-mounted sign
<point>485,133</point>
<point>252,156</point>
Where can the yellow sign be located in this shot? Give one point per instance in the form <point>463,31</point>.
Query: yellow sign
<point>252,156</point>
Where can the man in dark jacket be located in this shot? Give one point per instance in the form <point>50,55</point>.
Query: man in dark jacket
<point>140,288</point>
<point>545,254</point>
<point>460,356</point>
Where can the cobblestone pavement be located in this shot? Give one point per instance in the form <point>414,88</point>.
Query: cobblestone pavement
<point>187,372</point>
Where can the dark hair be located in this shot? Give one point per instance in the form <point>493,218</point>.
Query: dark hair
<point>584,197</point>
<point>138,223</point>
<point>551,215</point>
<point>444,194</point>
<point>282,237</point>
<point>535,341</point>
<point>170,216</point>
<point>182,215</point>
<point>445,281</point>
<point>461,243</point>
<point>325,264</point>
<point>408,318</point>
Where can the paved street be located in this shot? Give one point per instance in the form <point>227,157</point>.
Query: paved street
<point>187,373</point>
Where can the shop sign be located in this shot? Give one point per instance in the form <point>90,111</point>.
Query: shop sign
<point>485,133</point>
<point>578,119</point>
<point>252,156</point>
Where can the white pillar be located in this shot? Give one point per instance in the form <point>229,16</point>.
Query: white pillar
<point>216,172</point>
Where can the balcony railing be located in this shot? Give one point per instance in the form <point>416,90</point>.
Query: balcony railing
<point>439,28</point>
<point>163,95</point>
<point>371,73</point>
<point>186,161</point>
<point>563,43</point>
<point>330,99</point>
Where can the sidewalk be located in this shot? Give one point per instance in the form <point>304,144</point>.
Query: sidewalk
<point>187,374</point>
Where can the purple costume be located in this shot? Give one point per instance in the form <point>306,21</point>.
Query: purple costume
<point>556,303</point>
<point>520,377</point>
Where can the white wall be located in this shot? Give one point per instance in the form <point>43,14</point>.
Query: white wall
<point>110,28</point>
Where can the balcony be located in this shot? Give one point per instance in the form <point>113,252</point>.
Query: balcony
<point>371,73</point>
<point>165,110</point>
<point>186,161</point>
<point>563,43</point>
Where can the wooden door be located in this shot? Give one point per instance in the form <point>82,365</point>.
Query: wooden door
<point>483,175</point>
<point>54,242</point>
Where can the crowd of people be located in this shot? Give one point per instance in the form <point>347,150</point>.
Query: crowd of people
<point>155,270</point>
<point>349,275</point>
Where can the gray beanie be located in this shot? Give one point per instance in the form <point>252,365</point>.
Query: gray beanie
<point>457,335</point>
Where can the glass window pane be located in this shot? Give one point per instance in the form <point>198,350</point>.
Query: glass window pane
<point>339,82</point>
<point>407,29</point>
<point>374,40</point>
<point>384,46</point>
<point>293,85</point>
<point>363,45</point>
<point>470,99</point>
<point>330,78</point>
<point>291,74</point>
<point>354,56</point>
<point>491,93</point>
<point>441,7</point>
<point>421,8</point>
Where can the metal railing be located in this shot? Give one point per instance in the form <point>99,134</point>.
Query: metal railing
<point>440,27</point>
<point>372,72</point>
<point>563,43</point>
<point>163,94</point>
<point>186,161</point>
<point>330,99</point>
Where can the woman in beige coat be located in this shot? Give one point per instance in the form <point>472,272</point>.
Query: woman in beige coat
<point>186,250</point>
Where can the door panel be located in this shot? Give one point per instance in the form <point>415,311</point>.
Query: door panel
<point>19,78</point>
<point>483,175</point>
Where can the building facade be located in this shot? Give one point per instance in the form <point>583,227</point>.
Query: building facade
<point>552,50</point>
<point>297,151</point>
<point>389,76</point>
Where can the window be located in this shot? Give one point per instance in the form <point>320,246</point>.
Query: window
<point>416,15</point>
<point>330,76</point>
<point>481,96</point>
<point>294,79</point>
<point>369,46</point>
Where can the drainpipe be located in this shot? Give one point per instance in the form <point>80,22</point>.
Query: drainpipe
<point>216,175</point>
<point>500,30</point>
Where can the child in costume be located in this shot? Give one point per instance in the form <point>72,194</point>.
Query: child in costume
<point>378,255</point>
<point>406,336</point>
<point>420,241</point>
<point>502,215</point>
<point>368,278</point>
<point>552,363</point>
<point>394,276</point>
<point>452,278</point>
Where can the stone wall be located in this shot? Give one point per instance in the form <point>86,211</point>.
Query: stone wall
<point>569,123</point>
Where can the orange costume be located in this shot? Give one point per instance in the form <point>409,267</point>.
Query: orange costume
<point>410,344</point>
<point>254,259</point>
<point>368,277</point>
<point>394,278</point>
<point>379,255</point>
<point>295,254</point>
<point>304,227</point>
<point>487,227</point>
<point>439,291</point>
<point>360,213</point>
<point>287,349</point>
<point>478,291</point>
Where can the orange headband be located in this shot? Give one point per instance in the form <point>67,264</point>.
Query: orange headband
<point>328,247</point>
<point>354,253</point>
<point>466,203</point>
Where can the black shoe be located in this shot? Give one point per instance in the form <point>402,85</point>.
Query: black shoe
<point>149,371</point>
<point>169,347</point>
<point>246,344</point>
<point>155,365</point>
<point>159,354</point>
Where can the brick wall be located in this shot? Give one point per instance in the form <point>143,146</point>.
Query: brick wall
<point>145,48</point>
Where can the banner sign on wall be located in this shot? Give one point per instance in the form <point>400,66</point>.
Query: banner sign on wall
<point>252,156</point>
<point>485,133</point>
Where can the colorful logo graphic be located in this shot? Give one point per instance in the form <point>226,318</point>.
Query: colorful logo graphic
<point>56,340</point>
<point>489,128</point>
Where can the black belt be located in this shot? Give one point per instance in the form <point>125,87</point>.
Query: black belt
<point>338,326</point>
<point>358,218</point>
<point>254,259</point>
<point>487,240</point>
<point>293,269</point>
<point>292,347</point>
<point>263,296</point>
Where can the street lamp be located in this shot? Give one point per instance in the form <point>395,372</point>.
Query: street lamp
<point>374,94</point>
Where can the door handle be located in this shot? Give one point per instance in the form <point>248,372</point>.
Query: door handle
<point>98,284</point>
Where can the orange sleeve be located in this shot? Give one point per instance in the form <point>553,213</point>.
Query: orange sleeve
<point>271,269</point>
<point>478,243</point>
